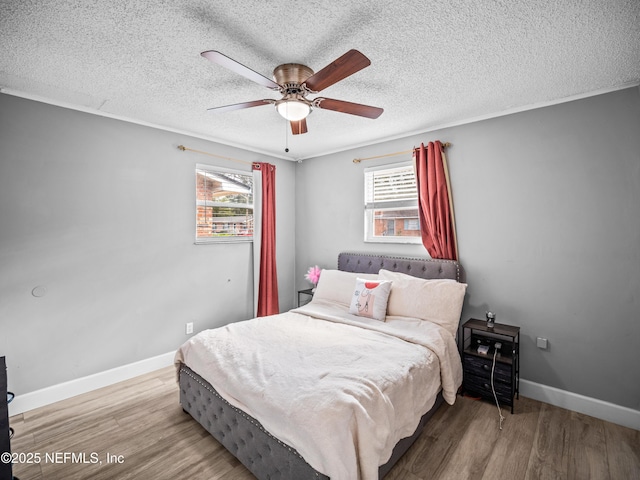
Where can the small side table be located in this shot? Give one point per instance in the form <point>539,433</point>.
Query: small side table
<point>478,367</point>
<point>306,291</point>
<point>6,467</point>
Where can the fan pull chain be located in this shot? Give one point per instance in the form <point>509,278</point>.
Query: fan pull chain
<point>286,136</point>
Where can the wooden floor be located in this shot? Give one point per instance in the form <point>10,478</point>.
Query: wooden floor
<point>137,430</point>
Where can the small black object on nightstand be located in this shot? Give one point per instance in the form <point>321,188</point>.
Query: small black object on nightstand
<point>485,350</point>
<point>306,291</point>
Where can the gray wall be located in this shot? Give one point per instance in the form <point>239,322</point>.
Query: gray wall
<point>100,212</point>
<point>547,206</point>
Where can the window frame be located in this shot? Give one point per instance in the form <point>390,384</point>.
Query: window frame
<point>392,204</point>
<point>215,170</point>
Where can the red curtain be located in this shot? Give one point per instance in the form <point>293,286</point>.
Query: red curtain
<point>268,285</point>
<point>434,201</point>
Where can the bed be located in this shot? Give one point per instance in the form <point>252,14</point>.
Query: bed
<point>341,387</point>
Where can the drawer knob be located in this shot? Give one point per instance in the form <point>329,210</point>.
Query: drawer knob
<point>486,367</point>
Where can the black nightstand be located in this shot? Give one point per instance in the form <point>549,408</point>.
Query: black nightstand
<point>306,291</point>
<point>477,366</point>
<point>5,431</point>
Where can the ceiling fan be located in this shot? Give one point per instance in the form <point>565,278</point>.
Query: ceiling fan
<point>295,81</point>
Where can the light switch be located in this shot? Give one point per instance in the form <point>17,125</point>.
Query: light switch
<point>542,343</point>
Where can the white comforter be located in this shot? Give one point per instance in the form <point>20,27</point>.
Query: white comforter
<point>341,389</point>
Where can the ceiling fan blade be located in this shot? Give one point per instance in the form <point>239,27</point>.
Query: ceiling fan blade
<point>223,60</point>
<point>298,127</point>
<point>238,106</point>
<point>351,62</point>
<point>347,107</point>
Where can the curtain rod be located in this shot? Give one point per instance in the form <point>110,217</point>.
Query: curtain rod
<point>183,148</point>
<point>358,160</point>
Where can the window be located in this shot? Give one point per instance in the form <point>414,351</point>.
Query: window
<point>391,204</point>
<point>224,205</point>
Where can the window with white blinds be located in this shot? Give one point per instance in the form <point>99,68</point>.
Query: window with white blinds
<point>224,205</point>
<point>391,204</point>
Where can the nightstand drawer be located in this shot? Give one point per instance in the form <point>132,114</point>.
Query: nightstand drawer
<point>482,367</point>
<point>482,386</point>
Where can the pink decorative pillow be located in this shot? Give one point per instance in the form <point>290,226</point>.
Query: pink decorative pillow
<point>370,298</point>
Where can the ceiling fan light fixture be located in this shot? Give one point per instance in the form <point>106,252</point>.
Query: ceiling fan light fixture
<point>294,82</point>
<point>292,109</point>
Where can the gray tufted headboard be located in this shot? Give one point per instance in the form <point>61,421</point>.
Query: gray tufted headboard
<point>428,268</point>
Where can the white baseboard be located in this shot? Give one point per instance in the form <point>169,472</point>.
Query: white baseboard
<point>610,412</point>
<point>62,391</point>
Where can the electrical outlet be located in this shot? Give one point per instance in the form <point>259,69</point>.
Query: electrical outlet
<point>188,328</point>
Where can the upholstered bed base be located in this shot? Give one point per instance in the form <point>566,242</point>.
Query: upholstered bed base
<point>262,453</point>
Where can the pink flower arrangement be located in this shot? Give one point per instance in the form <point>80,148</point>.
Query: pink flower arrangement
<point>313,274</point>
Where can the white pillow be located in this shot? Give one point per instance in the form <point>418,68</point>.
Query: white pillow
<point>337,286</point>
<point>438,300</point>
<point>370,298</point>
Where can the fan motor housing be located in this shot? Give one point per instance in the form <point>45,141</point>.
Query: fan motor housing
<point>289,73</point>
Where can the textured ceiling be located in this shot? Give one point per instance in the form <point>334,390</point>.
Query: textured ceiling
<point>433,63</point>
